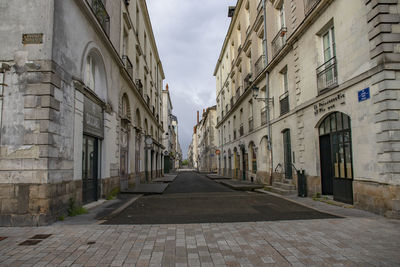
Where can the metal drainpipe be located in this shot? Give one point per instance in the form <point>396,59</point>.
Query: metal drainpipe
<point>267,88</point>
<point>222,129</point>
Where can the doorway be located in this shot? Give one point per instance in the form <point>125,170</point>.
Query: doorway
<point>245,163</point>
<point>336,157</point>
<point>90,157</point>
<point>287,154</point>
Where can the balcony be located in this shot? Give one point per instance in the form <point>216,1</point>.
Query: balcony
<point>260,65</point>
<point>251,124</point>
<point>264,116</point>
<point>309,5</point>
<point>128,65</point>
<point>279,41</point>
<point>238,92</point>
<point>148,100</point>
<point>247,81</point>
<point>101,14</point>
<point>327,75</point>
<point>241,130</point>
<point>284,103</point>
<point>139,86</point>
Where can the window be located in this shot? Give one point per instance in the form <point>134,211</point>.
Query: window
<point>125,43</point>
<point>327,72</point>
<point>329,44</point>
<point>285,80</point>
<point>284,98</point>
<point>95,74</point>
<point>282,16</point>
<point>90,72</point>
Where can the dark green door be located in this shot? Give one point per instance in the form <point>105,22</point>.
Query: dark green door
<point>287,151</point>
<point>89,169</point>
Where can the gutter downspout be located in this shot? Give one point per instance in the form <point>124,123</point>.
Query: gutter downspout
<point>267,93</point>
<point>222,128</point>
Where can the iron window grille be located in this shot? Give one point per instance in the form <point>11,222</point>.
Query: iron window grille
<point>284,103</point>
<point>101,14</point>
<point>327,75</point>
<point>128,65</point>
<point>279,41</point>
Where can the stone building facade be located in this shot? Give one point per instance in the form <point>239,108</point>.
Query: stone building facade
<point>323,99</point>
<point>80,101</point>
<point>207,141</point>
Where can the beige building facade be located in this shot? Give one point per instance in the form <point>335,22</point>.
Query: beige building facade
<point>81,101</point>
<point>324,99</point>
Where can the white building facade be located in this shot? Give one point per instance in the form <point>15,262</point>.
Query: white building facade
<point>81,101</point>
<point>323,99</point>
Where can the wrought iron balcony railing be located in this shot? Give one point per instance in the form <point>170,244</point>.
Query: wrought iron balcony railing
<point>284,103</point>
<point>101,14</point>
<point>139,86</point>
<point>128,65</point>
<point>327,75</point>
<point>264,116</point>
<point>251,124</point>
<point>279,41</point>
<point>260,65</point>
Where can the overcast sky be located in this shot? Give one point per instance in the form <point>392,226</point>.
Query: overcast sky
<point>189,36</point>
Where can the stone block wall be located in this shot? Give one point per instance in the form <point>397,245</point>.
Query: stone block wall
<point>36,204</point>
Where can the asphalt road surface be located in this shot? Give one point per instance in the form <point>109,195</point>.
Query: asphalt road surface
<point>193,198</point>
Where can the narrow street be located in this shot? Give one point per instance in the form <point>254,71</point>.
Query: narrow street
<point>198,222</point>
<point>193,198</point>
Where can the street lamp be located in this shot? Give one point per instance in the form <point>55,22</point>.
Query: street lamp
<point>256,92</point>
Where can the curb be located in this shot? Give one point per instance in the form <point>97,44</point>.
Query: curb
<point>120,209</point>
<point>262,191</point>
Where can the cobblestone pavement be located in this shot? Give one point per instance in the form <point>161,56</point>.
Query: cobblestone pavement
<point>357,241</point>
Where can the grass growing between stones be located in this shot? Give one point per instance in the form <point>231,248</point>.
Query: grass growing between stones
<point>74,210</point>
<point>113,194</point>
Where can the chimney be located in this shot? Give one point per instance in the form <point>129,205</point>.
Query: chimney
<point>231,11</point>
<point>198,117</point>
<point>166,87</point>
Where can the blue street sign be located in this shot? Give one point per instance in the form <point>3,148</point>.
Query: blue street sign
<point>363,94</point>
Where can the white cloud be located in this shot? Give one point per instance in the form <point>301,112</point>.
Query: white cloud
<point>189,36</point>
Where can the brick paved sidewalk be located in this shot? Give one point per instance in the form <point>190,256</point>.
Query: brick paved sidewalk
<point>331,242</point>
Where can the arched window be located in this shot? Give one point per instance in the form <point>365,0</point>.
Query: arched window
<point>125,107</point>
<point>95,74</point>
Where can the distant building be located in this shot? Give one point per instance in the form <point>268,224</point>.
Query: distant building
<point>202,150</point>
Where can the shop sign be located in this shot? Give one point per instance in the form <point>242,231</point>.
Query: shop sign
<point>93,123</point>
<point>329,104</point>
<point>363,94</point>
